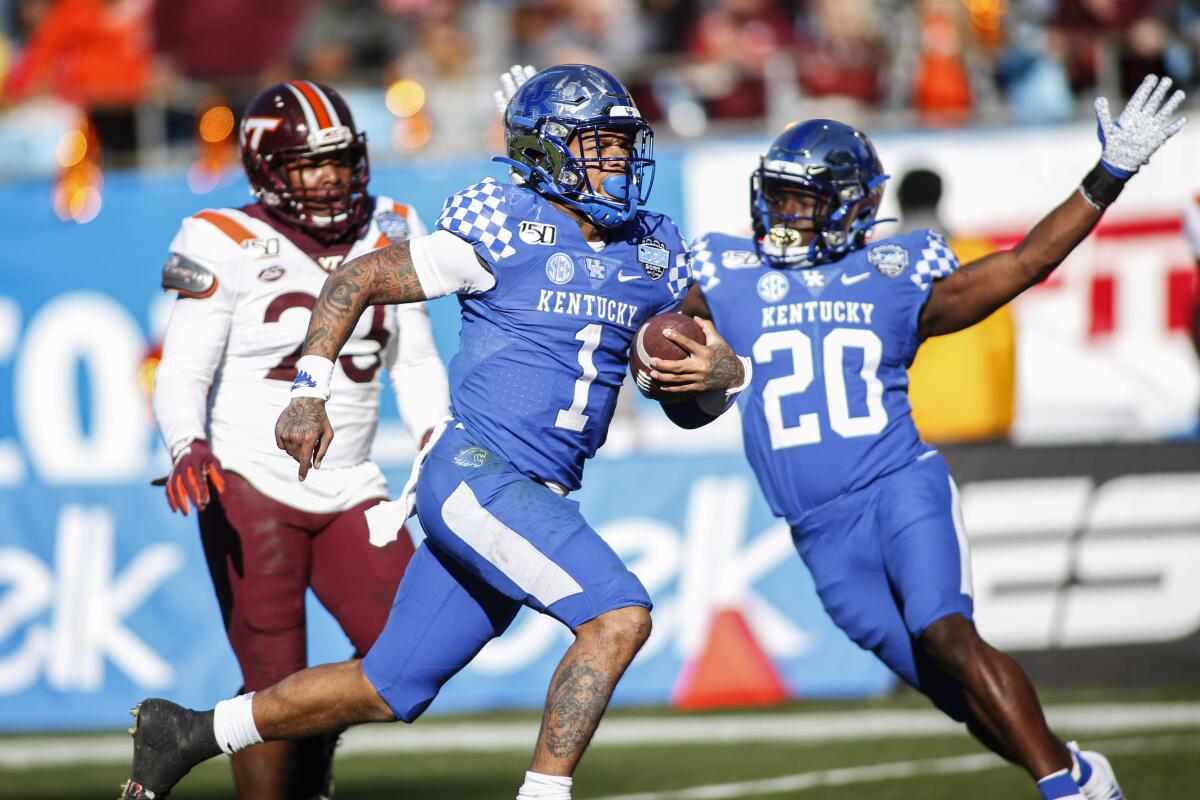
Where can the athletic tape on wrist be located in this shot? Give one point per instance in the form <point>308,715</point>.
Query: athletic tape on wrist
<point>313,374</point>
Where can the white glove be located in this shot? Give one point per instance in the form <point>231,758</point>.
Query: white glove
<point>509,83</point>
<point>1141,129</point>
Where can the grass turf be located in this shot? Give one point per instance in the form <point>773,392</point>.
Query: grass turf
<point>1167,766</point>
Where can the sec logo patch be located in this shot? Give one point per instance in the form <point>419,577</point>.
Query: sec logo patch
<point>560,268</point>
<point>773,287</point>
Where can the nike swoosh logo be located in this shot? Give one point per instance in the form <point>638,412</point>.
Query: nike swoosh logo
<point>850,280</point>
<point>623,278</point>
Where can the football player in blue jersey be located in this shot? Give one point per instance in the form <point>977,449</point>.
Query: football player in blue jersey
<point>554,276</point>
<point>833,321</point>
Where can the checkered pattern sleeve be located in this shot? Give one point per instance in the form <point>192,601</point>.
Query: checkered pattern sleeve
<point>680,276</point>
<point>704,268</point>
<point>477,215</point>
<point>935,261</point>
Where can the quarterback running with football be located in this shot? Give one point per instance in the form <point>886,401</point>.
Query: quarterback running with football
<point>554,275</point>
<point>833,321</point>
<point>247,279</point>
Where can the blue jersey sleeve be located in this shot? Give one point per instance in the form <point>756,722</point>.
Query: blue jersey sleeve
<point>479,215</point>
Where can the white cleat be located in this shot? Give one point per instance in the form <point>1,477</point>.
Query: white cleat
<point>1102,785</point>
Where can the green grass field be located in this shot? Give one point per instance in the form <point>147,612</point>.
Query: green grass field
<point>1152,760</point>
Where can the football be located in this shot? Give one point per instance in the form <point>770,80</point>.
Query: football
<point>651,343</point>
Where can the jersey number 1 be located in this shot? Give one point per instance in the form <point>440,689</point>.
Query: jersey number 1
<point>808,429</point>
<point>573,418</point>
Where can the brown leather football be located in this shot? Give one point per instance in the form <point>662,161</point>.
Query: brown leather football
<point>651,343</point>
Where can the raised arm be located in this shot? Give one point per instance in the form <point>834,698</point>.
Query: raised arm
<point>971,293</point>
<point>386,275</point>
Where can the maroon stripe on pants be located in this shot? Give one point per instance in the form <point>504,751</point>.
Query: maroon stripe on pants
<point>263,556</point>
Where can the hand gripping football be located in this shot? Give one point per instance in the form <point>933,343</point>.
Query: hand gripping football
<point>651,343</point>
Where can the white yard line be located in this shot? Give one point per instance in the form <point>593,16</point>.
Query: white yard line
<point>826,726</point>
<point>896,770</point>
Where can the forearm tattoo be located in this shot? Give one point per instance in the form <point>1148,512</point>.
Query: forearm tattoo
<point>726,369</point>
<point>577,701</point>
<point>383,276</point>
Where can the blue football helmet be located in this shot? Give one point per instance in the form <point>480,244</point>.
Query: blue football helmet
<point>836,172</point>
<point>566,104</point>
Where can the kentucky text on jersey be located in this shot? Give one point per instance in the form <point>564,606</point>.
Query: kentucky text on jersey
<point>577,304</point>
<point>543,353</point>
<point>848,311</point>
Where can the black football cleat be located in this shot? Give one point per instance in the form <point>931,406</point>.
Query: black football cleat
<point>168,740</point>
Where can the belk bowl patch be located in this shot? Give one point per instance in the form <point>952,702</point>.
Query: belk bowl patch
<point>393,226</point>
<point>654,258</point>
<point>889,259</point>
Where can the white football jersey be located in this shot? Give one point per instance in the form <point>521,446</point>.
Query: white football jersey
<point>232,343</point>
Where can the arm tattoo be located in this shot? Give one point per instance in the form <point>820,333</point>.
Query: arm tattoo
<point>725,369</point>
<point>383,276</point>
<point>577,700</point>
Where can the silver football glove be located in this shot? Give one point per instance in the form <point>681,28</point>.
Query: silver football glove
<point>509,83</point>
<point>1142,127</point>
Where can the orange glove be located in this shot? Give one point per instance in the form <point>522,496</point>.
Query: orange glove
<point>195,466</point>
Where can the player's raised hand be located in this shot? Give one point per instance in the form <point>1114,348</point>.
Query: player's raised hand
<point>708,366</point>
<point>511,81</point>
<point>1142,127</point>
<point>303,430</point>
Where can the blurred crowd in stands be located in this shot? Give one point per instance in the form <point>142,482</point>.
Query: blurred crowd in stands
<point>147,71</point>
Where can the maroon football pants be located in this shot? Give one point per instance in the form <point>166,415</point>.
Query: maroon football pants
<point>263,556</point>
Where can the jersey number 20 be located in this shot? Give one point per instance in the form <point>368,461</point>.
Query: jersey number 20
<point>807,430</point>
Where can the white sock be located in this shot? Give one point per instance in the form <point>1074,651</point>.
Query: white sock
<point>233,723</point>
<point>544,787</point>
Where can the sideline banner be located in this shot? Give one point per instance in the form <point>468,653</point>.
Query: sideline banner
<point>105,599</point>
<point>1085,558</point>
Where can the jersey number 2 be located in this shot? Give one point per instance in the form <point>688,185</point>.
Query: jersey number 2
<point>808,429</point>
<point>285,370</point>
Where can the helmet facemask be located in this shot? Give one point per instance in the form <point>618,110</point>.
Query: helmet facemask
<point>329,211</point>
<point>556,157</point>
<point>836,216</point>
<point>836,172</point>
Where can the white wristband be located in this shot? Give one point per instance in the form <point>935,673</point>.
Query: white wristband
<point>313,374</point>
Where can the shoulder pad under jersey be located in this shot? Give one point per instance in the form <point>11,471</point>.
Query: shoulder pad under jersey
<point>185,276</point>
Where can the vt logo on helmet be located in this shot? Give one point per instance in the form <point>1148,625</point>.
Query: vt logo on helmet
<point>561,123</point>
<point>306,162</point>
<point>815,193</point>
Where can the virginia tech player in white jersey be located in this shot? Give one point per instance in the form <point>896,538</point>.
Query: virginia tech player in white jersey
<point>247,279</point>
<point>231,347</point>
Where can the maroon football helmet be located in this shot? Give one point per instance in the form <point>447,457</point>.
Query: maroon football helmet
<point>298,124</point>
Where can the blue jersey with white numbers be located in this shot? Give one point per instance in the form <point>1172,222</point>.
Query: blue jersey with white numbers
<point>543,353</point>
<point>827,411</point>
